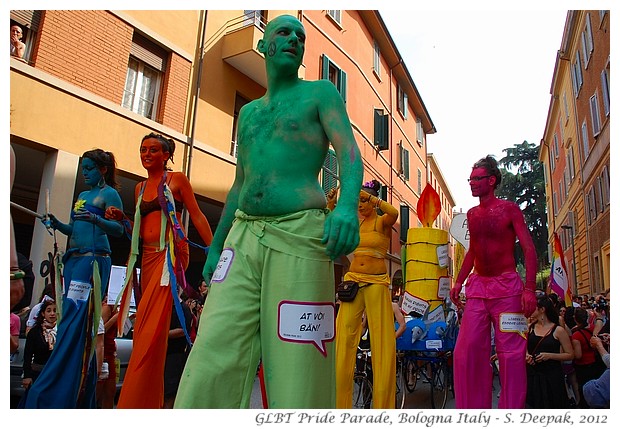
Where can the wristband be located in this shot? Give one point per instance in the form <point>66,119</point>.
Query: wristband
<point>16,275</point>
<point>378,203</point>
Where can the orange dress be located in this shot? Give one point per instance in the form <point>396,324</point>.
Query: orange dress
<point>143,386</point>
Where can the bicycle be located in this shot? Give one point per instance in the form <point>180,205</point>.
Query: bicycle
<point>362,380</point>
<point>433,367</point>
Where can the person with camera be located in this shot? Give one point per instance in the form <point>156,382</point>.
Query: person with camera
<point>587,364</point>
<point>600,324</point>
<point>368,268</point>
<point>548,345</point>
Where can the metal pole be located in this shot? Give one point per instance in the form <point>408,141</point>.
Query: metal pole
<point>196,99</point>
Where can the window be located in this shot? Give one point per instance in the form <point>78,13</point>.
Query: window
<point>239,103</point>
<point>594,113</point>
<point>560,193</point>
<point>381,138</point>
<point>402,102</point>
<point>403,161</point>
<point>330,171</point>
<point>552,157</point>
<point>419,182</point>
<point>28,21</point>
<point>256,18</point>
<point>144,75</point>
<point>335,75</point>
<point>376,60</point>
<point>605,90</point>
<point>591,205</point>
<point>584,140</point>
<point>419,132</point>
<point>404,222</point>
<point>336,15</point>
<point>605,186</point>
<point>566,182</point>
<point>556,147</point>
<point>586,41</point>
<point>570,161</point>
<point>565,107</point>
<point>555,204</point>
<point>577,75</point>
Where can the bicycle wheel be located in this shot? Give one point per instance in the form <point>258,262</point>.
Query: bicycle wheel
<point>410,375</point>
<point>439,384</point>
<point>362,392</point>
<point>400,386</point>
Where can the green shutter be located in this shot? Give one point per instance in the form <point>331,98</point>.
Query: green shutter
<point>325,67</point>
<point>343,85</point>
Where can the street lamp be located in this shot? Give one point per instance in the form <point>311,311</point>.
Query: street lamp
<point>572,243</point>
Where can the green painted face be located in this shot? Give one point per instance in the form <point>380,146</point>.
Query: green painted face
<point>284,40</point>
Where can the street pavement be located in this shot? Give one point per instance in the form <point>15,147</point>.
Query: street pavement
<point>418,399</point>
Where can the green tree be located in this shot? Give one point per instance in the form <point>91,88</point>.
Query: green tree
<point>523,182</point>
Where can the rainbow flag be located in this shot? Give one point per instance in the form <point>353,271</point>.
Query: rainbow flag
<point>559,276</point>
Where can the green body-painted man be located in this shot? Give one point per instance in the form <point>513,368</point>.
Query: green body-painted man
<point>270,262</point>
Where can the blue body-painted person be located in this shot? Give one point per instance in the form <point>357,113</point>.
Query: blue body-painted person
<point>69,377</point>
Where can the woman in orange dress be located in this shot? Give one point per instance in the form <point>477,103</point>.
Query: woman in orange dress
<point>165,256</point>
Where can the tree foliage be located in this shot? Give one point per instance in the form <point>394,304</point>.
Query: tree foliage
<point>523,182</point>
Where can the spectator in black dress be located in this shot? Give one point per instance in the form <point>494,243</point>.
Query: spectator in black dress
<point>40,343</point>
<point>548,344</point>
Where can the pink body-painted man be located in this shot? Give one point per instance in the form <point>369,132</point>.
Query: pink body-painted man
<point>495,295</point>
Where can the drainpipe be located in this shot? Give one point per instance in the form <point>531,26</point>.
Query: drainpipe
<point>195,110</point>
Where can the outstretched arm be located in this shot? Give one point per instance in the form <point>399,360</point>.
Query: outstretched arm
<point>341,232</point>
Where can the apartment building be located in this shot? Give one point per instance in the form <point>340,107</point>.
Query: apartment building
<point>575,150</point>
<point>99,78</point>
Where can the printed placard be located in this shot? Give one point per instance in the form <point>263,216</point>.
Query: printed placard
<point>437,315</point>
<point>442,256</point>
<point>78,291</point>
<point>223,265</point>
<point>307,322</point>
<point>413,303</point>
<point>434,344</point>
<point>513,322</point>
<point>117,280</point>
<point>443,288</point>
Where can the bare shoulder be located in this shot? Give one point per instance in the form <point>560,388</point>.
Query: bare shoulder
<point>322,87</point>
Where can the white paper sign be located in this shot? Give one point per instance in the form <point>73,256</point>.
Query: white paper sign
<point>513,322</point>
<point>443,290</point>
<point>414,303</point>
<point>437,315</point>
<point>117,280</point>
<point>442,256</point>
<point>307,322</point>
<point>78,291</point>
<point>460,230</point>
<point>434,344</point>
<point>223,265</point>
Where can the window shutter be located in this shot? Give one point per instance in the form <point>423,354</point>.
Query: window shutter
<point>406,163</point>
<point>147,51</point>
<point>343,85</point>
<point>381,130</point>
<point>404,222</point>
<point>325,67</point>
<point>330,171</point>
<point>28,18</point>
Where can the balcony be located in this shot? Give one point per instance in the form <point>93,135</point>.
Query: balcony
<point>241,37</point>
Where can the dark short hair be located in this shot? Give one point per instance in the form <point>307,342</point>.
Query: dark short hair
<point>489,163</point>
